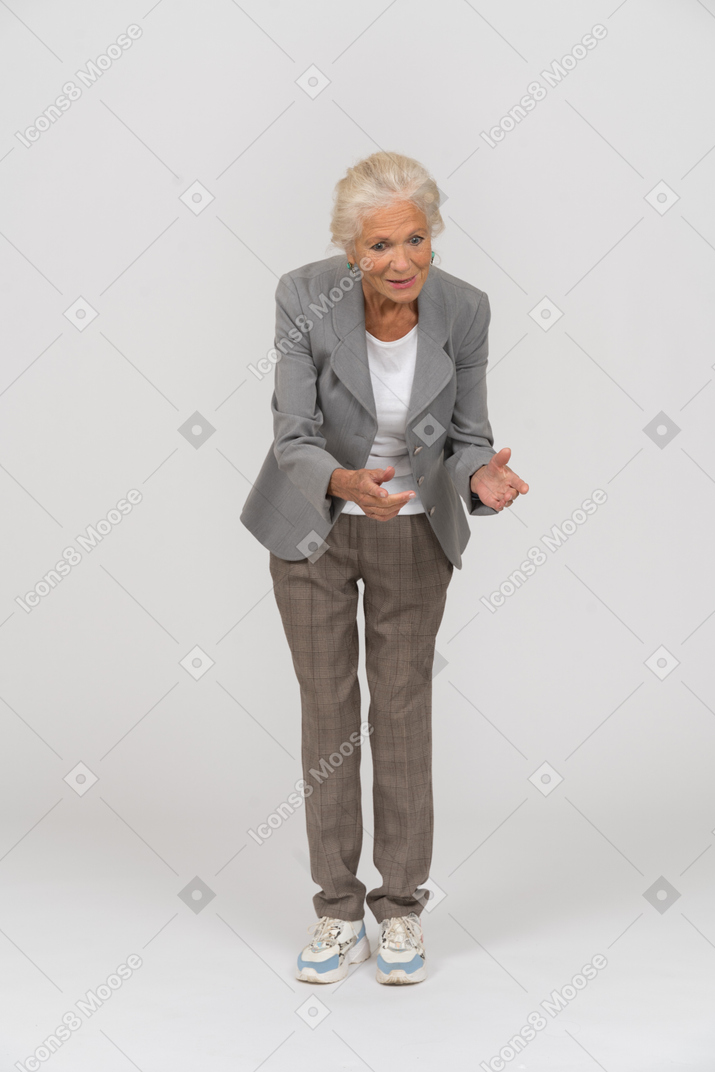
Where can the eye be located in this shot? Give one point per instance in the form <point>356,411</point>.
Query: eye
<point>419,239</point>
<point>376,245</point>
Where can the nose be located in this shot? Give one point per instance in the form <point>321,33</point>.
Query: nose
<point>400,259</point>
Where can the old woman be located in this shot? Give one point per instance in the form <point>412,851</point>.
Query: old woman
<point>381,440</point>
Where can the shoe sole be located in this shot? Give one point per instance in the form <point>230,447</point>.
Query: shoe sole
<point>360,952</point>
<point>398,977</point>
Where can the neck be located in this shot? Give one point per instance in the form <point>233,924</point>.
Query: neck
<point>380,307</point>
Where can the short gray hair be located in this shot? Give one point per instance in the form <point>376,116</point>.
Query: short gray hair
<point>376,182</point>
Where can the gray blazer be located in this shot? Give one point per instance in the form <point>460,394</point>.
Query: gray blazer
<point>324,410</point>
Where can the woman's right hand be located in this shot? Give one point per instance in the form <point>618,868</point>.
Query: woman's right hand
<point>363,486</point>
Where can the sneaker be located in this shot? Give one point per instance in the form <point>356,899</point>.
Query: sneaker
<point>401,952</point>
<point>336,944</point>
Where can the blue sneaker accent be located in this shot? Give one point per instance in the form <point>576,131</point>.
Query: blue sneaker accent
<point>319,966</point>
<point>362,931</point>
<point>411,966</point>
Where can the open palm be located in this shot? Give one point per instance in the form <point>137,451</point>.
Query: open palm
<point>496,484</point>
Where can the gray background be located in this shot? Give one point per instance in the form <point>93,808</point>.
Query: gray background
<point>531,878</point>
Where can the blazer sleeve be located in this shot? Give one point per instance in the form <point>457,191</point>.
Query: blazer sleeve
<point>298,443</point>
<point>470,441</point>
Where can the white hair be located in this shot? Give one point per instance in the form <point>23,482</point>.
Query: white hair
<point>376,182</point>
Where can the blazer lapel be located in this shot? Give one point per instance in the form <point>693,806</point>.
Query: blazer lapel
<point>349,358</point>
<point>433,366</point>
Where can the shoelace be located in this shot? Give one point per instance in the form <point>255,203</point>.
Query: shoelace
<point>326,930</point>
<point>402,931</point>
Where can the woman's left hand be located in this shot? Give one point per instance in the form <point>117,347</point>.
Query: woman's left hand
<point>496,484</point>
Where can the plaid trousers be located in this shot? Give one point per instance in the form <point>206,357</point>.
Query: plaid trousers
<point>405,574</point>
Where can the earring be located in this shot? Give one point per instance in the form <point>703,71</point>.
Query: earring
<point>432,257</point>
<point>353,268</point>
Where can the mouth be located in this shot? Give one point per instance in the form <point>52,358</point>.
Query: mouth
<point>401,284</point>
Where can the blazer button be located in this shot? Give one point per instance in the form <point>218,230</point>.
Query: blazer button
<point>431,511</point>
<point>417,450</point>
<point>420,479</point>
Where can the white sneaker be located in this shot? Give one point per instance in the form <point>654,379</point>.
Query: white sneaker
<point>401,952</point>
<point>336,944</point>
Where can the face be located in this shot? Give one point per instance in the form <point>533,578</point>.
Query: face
<point>397,242</point>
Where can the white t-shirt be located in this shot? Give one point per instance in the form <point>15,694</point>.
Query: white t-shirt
<point>392,370</point>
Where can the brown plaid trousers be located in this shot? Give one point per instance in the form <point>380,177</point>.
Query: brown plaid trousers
<point>405,574</point>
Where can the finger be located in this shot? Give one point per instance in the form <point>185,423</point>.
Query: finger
<point>382,517</point>
<point>508,491</point>
<point>515,481</point>
<point>388,508</point>
<point>397,499</point>
<point>381,475</point>
<point>375,491</point>
<point>380,512</point>
<point>500,459</point>
<point>375,478</point>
